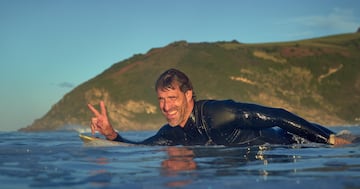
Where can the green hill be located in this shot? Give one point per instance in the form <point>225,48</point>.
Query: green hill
<point>317,79</point>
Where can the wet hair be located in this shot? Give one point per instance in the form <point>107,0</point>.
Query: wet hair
<point>172,77</point>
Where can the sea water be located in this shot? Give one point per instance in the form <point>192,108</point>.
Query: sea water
<point>61,160</point>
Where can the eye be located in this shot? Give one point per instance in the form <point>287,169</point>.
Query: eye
<point>173,98</point>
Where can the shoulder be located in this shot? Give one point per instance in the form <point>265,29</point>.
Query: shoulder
<point>217,113</point>
<point>218,108</point>
<point>216,104</point>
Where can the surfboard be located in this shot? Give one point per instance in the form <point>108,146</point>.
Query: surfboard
<point>95,141</point>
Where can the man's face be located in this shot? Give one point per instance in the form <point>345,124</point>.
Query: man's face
<point>175,105</point>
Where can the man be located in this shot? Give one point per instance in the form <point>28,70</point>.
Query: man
<point>214,122</point>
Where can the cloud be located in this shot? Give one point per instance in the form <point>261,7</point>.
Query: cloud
<point>339,20</point>
<point>66,85</point>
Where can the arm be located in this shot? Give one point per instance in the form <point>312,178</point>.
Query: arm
<point>166,136</point>
<point>296,125</point>
<point>252,116</point>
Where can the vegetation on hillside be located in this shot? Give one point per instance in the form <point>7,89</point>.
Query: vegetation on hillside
<point>317,79</point>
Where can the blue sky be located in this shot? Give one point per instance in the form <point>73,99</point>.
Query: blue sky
<point>48,47</point>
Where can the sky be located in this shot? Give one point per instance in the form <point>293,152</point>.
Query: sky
<point>48,47</point>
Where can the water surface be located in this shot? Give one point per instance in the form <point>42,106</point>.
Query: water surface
<point>60,160</point>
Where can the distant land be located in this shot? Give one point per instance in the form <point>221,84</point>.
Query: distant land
<point>318,79</point>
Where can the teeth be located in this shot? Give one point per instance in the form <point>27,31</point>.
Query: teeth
<point>172,113</point>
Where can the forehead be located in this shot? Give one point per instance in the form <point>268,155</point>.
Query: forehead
<point>168,91</point>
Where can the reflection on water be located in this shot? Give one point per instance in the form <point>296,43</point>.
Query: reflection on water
<point>179,159</point>
<point>59,160</point>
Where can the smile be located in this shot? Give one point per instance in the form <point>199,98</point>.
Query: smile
<point>171,114</point>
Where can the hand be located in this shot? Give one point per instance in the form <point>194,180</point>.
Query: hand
<point>338,140</point>
<point>341,141</point>
<point>100,122</point>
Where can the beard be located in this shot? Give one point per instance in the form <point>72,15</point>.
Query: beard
<point>179,117</point>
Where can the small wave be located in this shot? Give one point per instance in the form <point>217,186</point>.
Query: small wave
<point>77,128</point>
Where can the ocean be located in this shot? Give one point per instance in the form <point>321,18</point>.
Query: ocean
<point>59,159</point>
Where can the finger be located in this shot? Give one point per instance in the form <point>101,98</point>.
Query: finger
<point>103,108</point>
<point>92,129</point>
<point>93,110</point>
<point>92,125</point>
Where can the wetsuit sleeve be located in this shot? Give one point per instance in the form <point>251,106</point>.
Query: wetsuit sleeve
<point>253,116</point>
<point>166,136</point>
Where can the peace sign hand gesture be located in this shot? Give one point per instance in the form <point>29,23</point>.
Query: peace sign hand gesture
<point>100,122</point>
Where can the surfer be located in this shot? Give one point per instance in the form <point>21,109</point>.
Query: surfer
<point>217,122</point>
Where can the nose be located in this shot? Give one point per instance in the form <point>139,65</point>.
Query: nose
<point>166,105</point>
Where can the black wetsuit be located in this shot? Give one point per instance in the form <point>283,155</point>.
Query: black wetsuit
<point>214,122</point>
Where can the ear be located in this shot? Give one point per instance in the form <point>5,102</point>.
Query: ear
<point>188,95</point>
